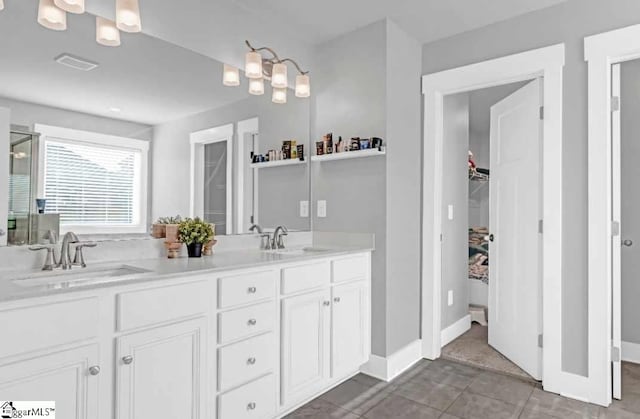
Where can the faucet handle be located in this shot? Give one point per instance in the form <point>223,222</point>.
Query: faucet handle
<point>78,258</point>
<point>50,259</point>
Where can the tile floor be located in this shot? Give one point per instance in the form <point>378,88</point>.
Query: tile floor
<point>449,390</point>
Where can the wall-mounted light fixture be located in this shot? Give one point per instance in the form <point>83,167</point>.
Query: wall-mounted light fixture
<point>259,68</point>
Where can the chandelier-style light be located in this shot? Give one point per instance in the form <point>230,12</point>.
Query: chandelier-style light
<point>107,33</point>
<point>51,17</point>
<point>1,4</point>
<point>258,68</point>
<point>71,6</point>
<point>230,76</point>
<point>128,16</point>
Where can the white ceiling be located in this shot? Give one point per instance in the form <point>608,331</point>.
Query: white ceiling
<point>145,77</point>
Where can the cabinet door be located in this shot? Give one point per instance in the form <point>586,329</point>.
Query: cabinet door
<point>305,345</point>
<point>350,328</point>
<point>70,378</point>
<point>161,372</point>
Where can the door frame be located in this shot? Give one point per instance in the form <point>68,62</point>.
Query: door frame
<point>545,62</point>
<point>601,51</point>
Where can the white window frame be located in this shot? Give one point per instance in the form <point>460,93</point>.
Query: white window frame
<point>198,140</point>
<point>94,138</point>
<point>544,62</point>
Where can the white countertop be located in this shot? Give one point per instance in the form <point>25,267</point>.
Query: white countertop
<point>158,269</point>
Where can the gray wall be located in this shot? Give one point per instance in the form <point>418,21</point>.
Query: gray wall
<point>630,147</point>
<point>568,22</point>
<point>280,189</point>
<point>455,192</point>
<point>367,83</point>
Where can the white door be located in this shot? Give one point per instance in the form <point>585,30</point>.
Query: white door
<point>349,328</point>
<point>514,248</point>
<point>70,378</point>
<point>161,372</point>
<point>305,345</point>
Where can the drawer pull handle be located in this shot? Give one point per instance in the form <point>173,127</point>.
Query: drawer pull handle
<point>251,406</point>
<point>127,359</point>
<point>252,290</point>
<point>327,303</point>
<point>251,361</point>
<point>252,322</point>
<point>95,370</point>
<point>337,299</point>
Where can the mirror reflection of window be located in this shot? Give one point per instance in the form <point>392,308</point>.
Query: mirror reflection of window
<point>20,187</point>
<point>215,185</point>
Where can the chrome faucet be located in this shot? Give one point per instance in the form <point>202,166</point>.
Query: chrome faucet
<point>278,240</point>
<point>65,257</point>
<point>65,262</point>
<point>265,238</point>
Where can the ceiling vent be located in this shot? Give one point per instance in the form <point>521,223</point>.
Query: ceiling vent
<point>76,63</point>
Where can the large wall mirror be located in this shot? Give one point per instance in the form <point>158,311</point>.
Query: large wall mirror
<point>106,140</point>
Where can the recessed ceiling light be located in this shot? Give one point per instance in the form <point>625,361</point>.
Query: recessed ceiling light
<point>114,109</point>
<point>76,63</point>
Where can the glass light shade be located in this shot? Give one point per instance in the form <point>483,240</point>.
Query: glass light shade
<point>71,6</point>
<point>51,17</point>
<point>128,16</point>
<point>230,76</point>
<point>1,4</point>
<point>279,95</point>
<point>256,86</point>
<point>106,32</point>
<point>253,65</point>
<point>303,86</point>
<point>279,76</point>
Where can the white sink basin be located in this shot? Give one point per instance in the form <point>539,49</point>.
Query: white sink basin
<point>299,252</point>
<point>78,276</point>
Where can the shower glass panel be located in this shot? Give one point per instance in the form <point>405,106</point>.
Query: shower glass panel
<point>216,186</point>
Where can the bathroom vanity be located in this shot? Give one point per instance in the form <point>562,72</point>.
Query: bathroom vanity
<point>245,334</point>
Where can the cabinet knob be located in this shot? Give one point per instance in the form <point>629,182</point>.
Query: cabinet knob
<point>95,370</point>
<point>627,243</point>
<point>251,406</point>
<point>327,303</point>
<point>336,299</point>
<point>252,290</point>
<point>252,322</point>
<point>127,359</point>
<point>251,361</point>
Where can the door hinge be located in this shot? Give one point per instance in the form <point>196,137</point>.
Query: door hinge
<point>540,226</point>
<point>615,228</point>
<point>541,113</point>
<point>615,103</point>
<point>615,354</point>
<point>540,341</point>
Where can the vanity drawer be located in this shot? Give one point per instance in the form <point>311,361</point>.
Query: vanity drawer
<point>246,360</point>
<point>304,277</point>
<point>243,289</point>
<point>240,323</point>
<point>350,268</point>
<point>256,400</point>
<point>159,305</point>
<point>44,326</point>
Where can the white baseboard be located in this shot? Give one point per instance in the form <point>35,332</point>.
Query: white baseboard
<point>452,332</point>
<point>631,352</point>
<point>388,368</point>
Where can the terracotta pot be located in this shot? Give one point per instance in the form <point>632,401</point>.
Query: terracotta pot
<point>171,233</point>
<point>208,248</point>
<point>173,249</point>
<point>194,250</point>
<point>159,231</point>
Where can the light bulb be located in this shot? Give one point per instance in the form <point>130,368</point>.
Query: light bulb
<point>303,86</point>
<point>71,6</point>
<point>253,65</point>
<point>279,95</point>
<point>230,76</point>
<point>256,86</point>
<point>51,17</point>
<point>106,32</point>
<point>128,16</point>
<point>279,76</point>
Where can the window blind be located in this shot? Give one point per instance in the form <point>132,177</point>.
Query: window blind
<point>91,184</point>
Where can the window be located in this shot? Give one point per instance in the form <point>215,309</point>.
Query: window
<point>97,183</point>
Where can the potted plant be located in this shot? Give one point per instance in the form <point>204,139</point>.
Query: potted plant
<point>159,228</point>
<point>195,233</point>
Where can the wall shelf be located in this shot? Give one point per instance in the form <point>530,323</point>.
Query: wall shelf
<point>277,163</point>
<point>349,155</point>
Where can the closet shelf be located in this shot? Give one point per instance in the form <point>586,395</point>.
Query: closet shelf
<point>349,155</point>
<point>277,163</point>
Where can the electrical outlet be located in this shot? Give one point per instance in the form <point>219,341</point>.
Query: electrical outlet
<point>450,298</point>
<point>450,211</point>
<point>322,209</point>
<point>304,209</point>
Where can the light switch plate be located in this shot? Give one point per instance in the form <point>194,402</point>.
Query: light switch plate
<point>304,209</point>
<point>450,298</point>
<point>450,211</point>
<point>322,209</point>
